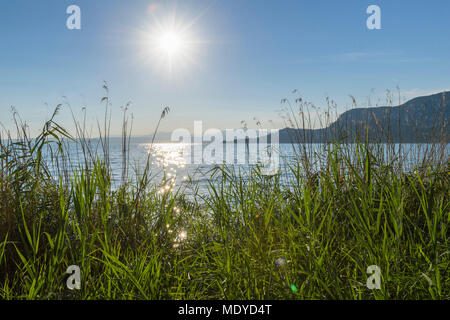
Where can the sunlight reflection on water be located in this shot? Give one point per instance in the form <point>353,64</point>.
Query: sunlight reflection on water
<point>167,154</point>
<point>170,169</point>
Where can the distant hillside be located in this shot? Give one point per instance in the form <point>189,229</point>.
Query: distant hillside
<point>423,119</point>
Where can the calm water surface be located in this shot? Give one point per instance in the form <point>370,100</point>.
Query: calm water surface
<point>167,160</point>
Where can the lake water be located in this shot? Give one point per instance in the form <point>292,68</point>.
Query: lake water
<point>168,160</point>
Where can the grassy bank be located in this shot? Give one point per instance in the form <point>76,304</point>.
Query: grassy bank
<point>246,239</point>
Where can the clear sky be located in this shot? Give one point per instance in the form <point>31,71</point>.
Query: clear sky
<point>234,60</point>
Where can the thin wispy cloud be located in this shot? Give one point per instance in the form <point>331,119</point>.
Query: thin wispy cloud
<point>358,56</point>
<point>361,56</point>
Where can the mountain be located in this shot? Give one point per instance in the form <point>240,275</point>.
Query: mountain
<point>420,120</point>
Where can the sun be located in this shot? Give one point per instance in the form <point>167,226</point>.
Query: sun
<point>171,43</point>
<point>172,47</point>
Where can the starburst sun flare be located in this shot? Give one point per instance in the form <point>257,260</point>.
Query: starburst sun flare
<point>171,43</point>
<point>170,46</point>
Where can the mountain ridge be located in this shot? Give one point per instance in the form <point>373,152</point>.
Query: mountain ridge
<point>419,120</point>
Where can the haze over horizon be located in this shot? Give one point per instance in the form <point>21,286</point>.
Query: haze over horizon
<point>215,61</point>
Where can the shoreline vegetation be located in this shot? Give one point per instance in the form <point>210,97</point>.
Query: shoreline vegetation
<point>249,238</point>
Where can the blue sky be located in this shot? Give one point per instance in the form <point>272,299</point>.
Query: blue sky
<point>247,56</point>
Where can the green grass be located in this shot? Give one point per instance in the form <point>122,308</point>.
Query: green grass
<point>329,226</point>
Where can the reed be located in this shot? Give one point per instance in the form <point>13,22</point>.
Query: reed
<point>250,237</point>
